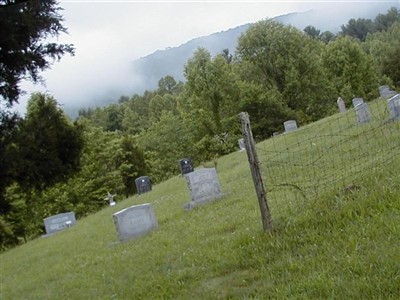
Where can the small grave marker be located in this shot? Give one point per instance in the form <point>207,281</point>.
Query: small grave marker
<point>204,186</point>
<point>186,165</point>
<point>143,184</point>
<point>357,101</point>
<point>290,125</point>
<point>59,222</point>
<point>394,107</point>
<point>341,105</point>
<point>242,146</point>
<point>386,92</point>
<point>362,113</point>
<point>135,221</point>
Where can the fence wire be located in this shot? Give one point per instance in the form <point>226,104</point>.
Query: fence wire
<point>327,156</point>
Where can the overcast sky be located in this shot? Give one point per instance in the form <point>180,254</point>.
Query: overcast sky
<point>109,35</point>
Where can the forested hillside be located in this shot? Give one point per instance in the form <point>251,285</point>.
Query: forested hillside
<point>277,72</point>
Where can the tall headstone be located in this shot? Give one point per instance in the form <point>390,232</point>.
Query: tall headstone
<point>341,105</point>
<point>143,184</point>
<point>362,113</point>
<point>290,125</point>
<point>186,165</point>
<point>135,221</point>
<point>59,222</point>
<point>394,107</point>
<point>204,186</point>
<point>357,101</point>
<point>242,146</point>
<point>386,92</point>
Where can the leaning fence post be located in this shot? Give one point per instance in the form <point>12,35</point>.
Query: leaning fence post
<point>255,171</point>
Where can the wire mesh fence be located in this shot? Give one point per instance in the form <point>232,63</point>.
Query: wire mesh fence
<point>331,155</point>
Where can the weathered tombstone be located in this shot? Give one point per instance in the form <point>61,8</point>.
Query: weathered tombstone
<point>143,184</point>
<point>386,92</point>
<point>134,221</point>
<point>242,146</point>
<point>186,165</point>
<point>394,107</point>
<point>59,222</point>
<point>357,101</point>
<point>290,125</point>
<point>203,186</point>
<point>362,112</point>
<point>341,105</point>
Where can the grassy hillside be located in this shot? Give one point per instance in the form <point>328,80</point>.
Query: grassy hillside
<point>330,239</point>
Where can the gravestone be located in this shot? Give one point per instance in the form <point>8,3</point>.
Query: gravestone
<point>59,222</point>
<point>186,165</point>
<point>362,113</point>
<point>394,107</point>
<point>134,221</point>
<point>357,101</point>
<point>386,92</point>
<point>290,125</point>
<point>341,105</point>
<point>242,146</point>
<point>143,184</point>
<point>204,186</point>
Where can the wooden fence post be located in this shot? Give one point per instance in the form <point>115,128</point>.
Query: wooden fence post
<point>255,171</point>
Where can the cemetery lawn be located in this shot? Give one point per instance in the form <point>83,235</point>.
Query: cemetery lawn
<point>342,244</point>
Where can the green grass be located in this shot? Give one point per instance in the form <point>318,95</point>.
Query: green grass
<point>327,242</point>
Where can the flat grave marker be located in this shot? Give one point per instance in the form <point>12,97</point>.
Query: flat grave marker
<point>135,221</point>
<point>204,186</point>
<point>59,222</point>
<point>290,125</point>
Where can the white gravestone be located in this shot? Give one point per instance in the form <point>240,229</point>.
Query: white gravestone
<point>357,101</point>
<point>203,186</point>
<point>59,222</point>
<point>386,92</point>
<point>242,146</point>
<point>341,105</point>
<point>290,125</point>
<point>135,221</point>
<point>394,107</point>
<point>362,112</point>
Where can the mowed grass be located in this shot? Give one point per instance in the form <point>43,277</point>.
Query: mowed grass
<point>337,243</point>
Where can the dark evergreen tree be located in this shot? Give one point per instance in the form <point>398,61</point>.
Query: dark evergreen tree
<point>24,26</point>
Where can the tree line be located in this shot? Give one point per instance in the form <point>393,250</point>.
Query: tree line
<point>51,164</point>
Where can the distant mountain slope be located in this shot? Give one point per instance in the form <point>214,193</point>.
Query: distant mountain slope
<point>149,69</point>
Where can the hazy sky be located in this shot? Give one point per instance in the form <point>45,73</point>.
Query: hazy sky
<point>109,35</point>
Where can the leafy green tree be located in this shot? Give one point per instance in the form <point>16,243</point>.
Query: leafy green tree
<point>168,85</point>
<point>48,144</point>
<point>23,51</point>
<point>327,36</point>
<point>211,93</point>
<point>8,128</point>
<point>313,32</point>
<point>383,22</point>
<point>267,109</point>
<point>350,69</point>
<point>385,49</point>
<point>165,143</point>
<point>282,58</point>
<point>358,29</point>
